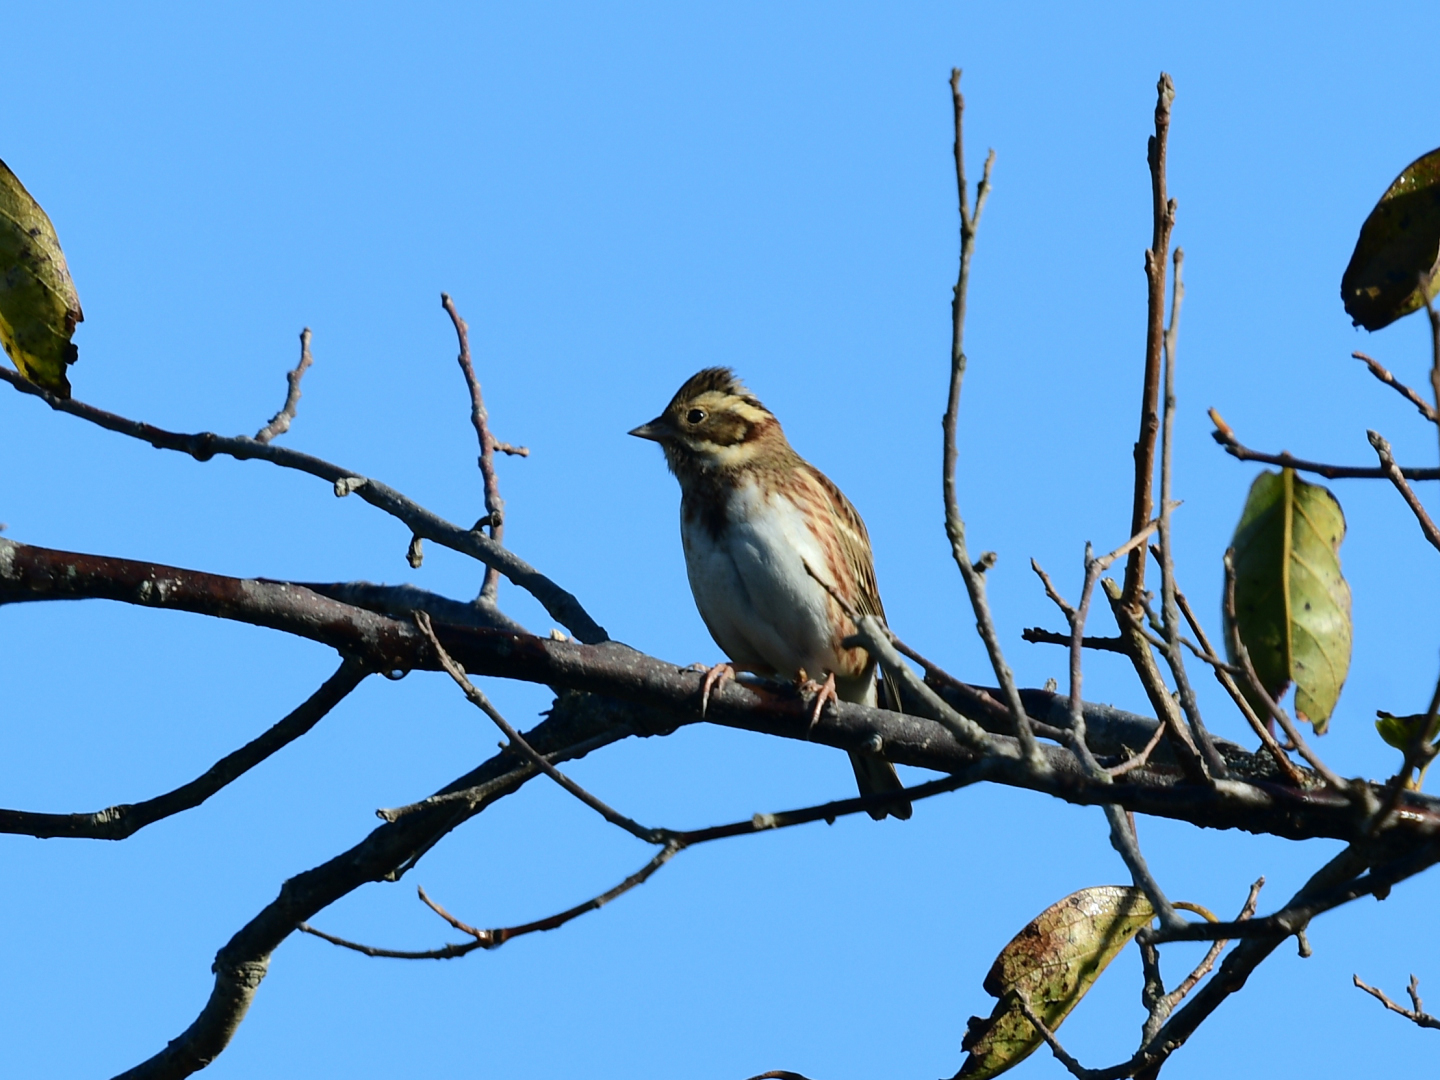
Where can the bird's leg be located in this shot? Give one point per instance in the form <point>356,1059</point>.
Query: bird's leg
<point>715,678</point>
<point>823,694</point>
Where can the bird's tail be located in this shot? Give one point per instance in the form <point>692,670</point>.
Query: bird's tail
<point>873,774</point>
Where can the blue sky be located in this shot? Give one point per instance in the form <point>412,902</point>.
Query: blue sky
<point>616,196</point>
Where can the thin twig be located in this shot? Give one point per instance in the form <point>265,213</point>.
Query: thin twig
<point>1054,594</point>
<point>1163,221</point>
<point>677,842</point>
<point>1417,1015</point>
<point>972,574</point>
<point>879,642</point>
<point>1141,758</point>
<point>1122,829</point>
<point>1392,471</point>
<point>480,418</point>
<point>125,820</point>
<point>1038,635</point>
<point>1169,610</point>
<point>1172,999</point>
<point>1383,374</point>
<point>280,422</point>
<point>534,757</point>
<point>1226,679</point>
<point>1225,436</point>
<point>1061,1054</point>
<point>1242,655</point>
<point>492,939</point>
<point>563,607</point>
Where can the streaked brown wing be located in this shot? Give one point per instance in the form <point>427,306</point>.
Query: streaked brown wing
<point>857,564</point>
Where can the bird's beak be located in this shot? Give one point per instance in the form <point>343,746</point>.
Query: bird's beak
<point>656,430</point>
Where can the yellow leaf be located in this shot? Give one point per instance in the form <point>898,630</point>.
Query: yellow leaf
<point>38,304</point>
<point>1053,962</point>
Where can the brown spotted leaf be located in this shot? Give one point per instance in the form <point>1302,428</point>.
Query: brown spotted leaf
<point>1053,962</point>
<point>1393,266</point>
<point>38,304</point>
<point>1292,604</point>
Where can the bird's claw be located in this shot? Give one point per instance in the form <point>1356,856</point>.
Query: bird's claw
<point>715,678</point>
<point>823,694</point>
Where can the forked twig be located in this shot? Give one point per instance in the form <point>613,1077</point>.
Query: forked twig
<point>528,752</point>
<point>1417,1014</point>
<point>1225,436</point>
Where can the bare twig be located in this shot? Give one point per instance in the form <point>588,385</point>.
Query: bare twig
<point>1141,758</point>
<point>280,422</point>
<point>1242,655</point>
<point>202,446</point>
<point>1061,1054</point>
<point>125,820</point>
<point>1038,635</point>
<point>492,939</point>
<point>1226,679</point>
<point>879,642</point>
<point>1225,436</point>
<point>1122,829</point>
<point>534,757</point>
<point>1392,471</point>
<point>480,418</point>
<point>676,842</point>
<point>1163,215</point>
<point>1417,1014</point>
<point>1169,610</point>
<point>1383,374</point>
<point>1172,999</point>
<point>972,574</point>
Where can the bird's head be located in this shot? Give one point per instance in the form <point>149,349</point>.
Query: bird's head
<point>713,422</point>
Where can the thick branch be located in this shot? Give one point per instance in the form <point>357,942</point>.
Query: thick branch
<point>1248,801</point>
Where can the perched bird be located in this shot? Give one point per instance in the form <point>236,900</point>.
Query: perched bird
<point>754,515</point>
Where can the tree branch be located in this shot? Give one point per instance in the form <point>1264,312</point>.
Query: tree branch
<point>1225,436</point>
<point>561,605</point>
<point>125,820</point>
<point>280,423</point>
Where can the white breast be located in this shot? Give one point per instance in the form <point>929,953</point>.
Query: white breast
<point>750,584</point>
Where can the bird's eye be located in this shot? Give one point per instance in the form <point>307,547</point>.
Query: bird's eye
<point>694,416</point>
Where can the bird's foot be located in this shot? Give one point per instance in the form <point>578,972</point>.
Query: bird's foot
<point>823,694</point>
<point>715,678</point>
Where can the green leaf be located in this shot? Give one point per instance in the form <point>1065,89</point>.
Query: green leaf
<point>1291,602</point>
<point>38,304</point>
<point>1053,962</point>
<point>1395,256</point>
<point>1400,732</point>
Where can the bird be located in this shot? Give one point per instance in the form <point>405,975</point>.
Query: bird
<point>762,528</point>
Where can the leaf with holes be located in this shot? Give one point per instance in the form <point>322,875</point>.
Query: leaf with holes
<point>1053,962</point>
<point>1392,270</point>
<point>1292,604</point>
<point>38,304</point>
